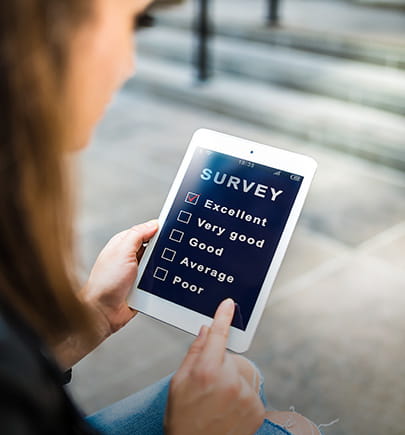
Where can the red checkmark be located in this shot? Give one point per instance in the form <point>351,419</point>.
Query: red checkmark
<point>192,198</point>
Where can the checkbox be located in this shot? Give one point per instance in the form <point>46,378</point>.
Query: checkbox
<point>176,236</point>
<point>168,254</point>
<point>160,273</point>
<point>184,217</point>
<point>192,198</point>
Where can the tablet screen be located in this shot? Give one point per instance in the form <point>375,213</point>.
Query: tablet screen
<point>221,234</point>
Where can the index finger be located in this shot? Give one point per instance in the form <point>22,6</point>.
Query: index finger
<point>214,349</point>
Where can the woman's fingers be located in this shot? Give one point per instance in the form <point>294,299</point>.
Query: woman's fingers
<point>251,409</point>
<point>248,371</point>
<point>210,344</point>
<point>212,354</point>
<point>140,234</point>
<point>140,253</point>
<point>194,351</point>
<point>208,394</point>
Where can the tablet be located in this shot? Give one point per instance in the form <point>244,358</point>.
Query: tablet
<point>223,232</point>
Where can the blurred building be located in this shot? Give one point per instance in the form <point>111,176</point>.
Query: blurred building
<point>326,72</point>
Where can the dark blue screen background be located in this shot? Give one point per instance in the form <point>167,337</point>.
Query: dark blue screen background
<point>248,264</point>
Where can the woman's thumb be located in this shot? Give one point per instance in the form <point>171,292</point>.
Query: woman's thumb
<point>142,233</point>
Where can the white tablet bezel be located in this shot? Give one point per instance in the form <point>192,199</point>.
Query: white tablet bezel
<point>189,320</point>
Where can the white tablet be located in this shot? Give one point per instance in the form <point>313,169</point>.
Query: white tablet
<point>223,232</point>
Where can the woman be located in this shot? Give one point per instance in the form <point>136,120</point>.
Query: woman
<point>60,63</point>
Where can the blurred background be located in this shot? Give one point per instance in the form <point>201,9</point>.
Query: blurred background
<point>321,77</point>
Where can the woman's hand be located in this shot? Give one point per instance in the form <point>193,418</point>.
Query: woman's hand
<point>106,291</point>
<point>113,276</point>
<point>210,393</point>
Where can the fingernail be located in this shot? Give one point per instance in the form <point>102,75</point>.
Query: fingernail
<point>152,223</point>
<point>228,304</point>
<point>202,331</point>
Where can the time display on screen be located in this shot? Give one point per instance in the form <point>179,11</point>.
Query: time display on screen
<point>246,163</point>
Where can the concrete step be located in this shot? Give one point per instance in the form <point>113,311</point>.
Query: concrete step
<point>369,85</point>
<point>396,4</point>
<point>366,132</point>
<point>343,45</point>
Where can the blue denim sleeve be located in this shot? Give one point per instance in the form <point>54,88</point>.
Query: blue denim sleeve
<point>270,428</point>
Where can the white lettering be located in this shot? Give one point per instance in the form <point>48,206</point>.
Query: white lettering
<point>236,213</point>
<point>275,194</point>
<point>243,238</point>
<point>233,181</point>
<point>202,223</point>
<point>216,178</point>
<point>206,174</point>
<point>186,285</point>
<point>219,276</point>
<point>261,190</point>
<point>246,186</point>
<point>236,183</point>
<point>195,243</point>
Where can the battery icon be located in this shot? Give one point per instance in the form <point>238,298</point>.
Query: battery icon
<point>295,178</point>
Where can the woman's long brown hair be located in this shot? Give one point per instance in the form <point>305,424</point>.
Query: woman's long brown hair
<point>36,253</point>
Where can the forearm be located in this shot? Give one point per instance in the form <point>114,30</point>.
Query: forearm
<point>76,346</point>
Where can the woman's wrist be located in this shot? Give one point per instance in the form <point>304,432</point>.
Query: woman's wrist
<point>102,327</point>
<point>76,346</point>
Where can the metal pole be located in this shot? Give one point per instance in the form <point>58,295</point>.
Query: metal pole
<point>203,32</point>
<point>273,12</point>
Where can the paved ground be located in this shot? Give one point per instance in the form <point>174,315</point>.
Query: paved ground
<point>331,339</point>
